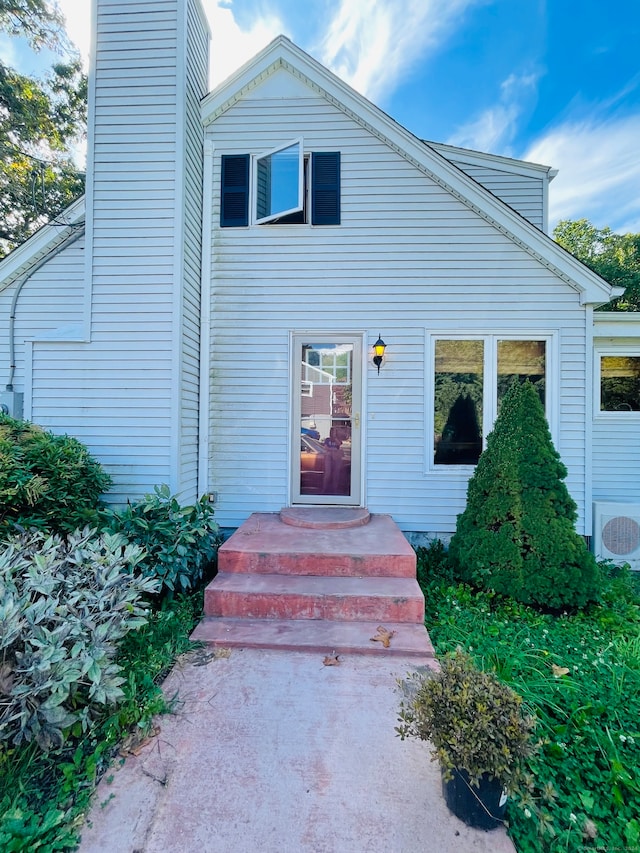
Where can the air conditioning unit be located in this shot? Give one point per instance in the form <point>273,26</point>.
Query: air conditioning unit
<point>616,533</point>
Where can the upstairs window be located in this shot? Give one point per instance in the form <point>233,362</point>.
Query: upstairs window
<point>279,183</point>
<point>286,186</point>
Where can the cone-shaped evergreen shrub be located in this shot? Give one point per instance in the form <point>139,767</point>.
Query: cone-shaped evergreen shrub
<point>517,534</point>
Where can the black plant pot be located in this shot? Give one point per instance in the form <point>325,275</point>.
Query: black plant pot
<point>481,807</point>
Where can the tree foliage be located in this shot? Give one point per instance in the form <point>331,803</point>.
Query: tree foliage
<point>40,119</point>
<point>517,535</point>
<point>36,20</point>
<point>615,257</point>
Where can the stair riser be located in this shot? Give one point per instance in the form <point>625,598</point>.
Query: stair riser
<point>326,565</point>
<point>254,605</point>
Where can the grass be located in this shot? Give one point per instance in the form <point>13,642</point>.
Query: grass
<point>44,797</point>
<point>580,675</point>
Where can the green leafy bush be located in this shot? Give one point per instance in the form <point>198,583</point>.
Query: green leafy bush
<point>474,722</point>
<point>433,567</point>
<point>517,534</point>
<point>179,541</point>
<point>50,482</point>
<point>64,604</point>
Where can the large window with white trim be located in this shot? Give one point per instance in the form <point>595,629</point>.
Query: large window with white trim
<point>471,375</point>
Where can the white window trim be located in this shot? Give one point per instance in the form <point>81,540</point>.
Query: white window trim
<point>254,183</point>
<point>490,388</point>
<point>614,350</point>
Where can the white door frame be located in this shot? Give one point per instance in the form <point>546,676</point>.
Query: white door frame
<point>357,340</point>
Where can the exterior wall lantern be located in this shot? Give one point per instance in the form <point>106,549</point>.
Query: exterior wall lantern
<point>379,348</point>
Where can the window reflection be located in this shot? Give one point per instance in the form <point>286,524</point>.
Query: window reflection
<point>325,427</point>
<point>459,390</point>
<point>458,402</point>
<point>519,361</point>
<point>278,182</point>
<point>620,383</point>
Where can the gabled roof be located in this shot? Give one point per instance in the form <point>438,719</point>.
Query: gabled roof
<point>283,54</point>
<point>64,229</point>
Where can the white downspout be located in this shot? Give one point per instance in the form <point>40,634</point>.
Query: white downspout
<point>204,395</point>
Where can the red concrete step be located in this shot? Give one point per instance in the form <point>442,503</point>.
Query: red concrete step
<point>323,579</point>
<point>266,545</point>
<point>323,636</point>
<point>238,595</point>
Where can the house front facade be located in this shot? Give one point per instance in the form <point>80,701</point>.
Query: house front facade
<point>207,315</point>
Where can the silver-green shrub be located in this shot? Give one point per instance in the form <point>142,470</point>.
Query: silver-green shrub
<point>64,604</point>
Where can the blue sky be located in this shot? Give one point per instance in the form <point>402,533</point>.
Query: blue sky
<point>552,81</point>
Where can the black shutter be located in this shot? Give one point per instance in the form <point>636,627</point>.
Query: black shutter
<point>234,203</point>
<point>325,189</point>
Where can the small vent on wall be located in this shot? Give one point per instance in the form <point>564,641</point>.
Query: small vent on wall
<point>616,533</point>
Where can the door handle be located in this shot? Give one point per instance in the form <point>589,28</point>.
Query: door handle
<point>356,420</point>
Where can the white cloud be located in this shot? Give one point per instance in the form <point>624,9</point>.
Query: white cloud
<point>8,50</point>
<point>494,129</point>
<point>232,46</point>
<point>78,25</point>
<point>373,44</point>
<point>599,171</point>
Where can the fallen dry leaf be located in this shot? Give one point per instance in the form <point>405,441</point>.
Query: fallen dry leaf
<point>383,636</point>
<point>135,743</point>
<point>203,657</point>
<point>332,660</point>
<point>559,671</point>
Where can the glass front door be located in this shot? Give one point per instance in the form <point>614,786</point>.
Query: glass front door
<point>326,418</point>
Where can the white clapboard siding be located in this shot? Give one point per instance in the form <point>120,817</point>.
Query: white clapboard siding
<point>196,84</point>
<point>616,458</point>
<point>135,110</point>
<point>523,186</point>
<point>60,375</point>
<point>522,193</point>
<point>50,304</point>
<point>616,435</point>
<point>131,390</point>
<point>407,260</point>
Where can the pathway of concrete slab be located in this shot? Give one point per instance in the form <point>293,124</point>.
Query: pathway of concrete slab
<point>274,752</point>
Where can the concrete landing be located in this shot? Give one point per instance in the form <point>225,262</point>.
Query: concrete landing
<point>324,518</point>
<point>263,544</point>
<point>272,752</point>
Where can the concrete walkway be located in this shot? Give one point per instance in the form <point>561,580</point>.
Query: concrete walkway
<point>274,752</point>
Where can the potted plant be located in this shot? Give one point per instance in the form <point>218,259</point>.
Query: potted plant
<point>478,730</point>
